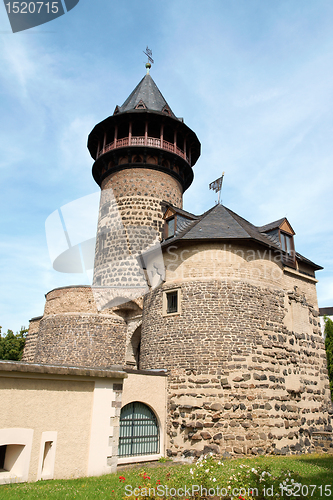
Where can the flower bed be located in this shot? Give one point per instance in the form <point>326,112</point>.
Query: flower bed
<point>207,480</point>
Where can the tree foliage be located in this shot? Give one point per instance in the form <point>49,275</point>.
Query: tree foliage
<point>12,345</point>
<point>329,349</point>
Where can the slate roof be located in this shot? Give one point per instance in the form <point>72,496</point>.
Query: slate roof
<point>307,261</point>
<point>179,211</point>
<point>325,311</point>
<point>271,225</point>
<point>147,92</point>
<point>182,224</point>
<point>221,223</point>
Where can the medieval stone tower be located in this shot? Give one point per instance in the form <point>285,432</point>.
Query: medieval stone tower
<point>143,162</point>
<point>233,319</point>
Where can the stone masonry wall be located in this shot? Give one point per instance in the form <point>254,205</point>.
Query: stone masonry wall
<point>142,183</point>
<point>70,299</point>
<point>72,331</point>
<point>31,340</point>
<point>246,360</point>
<point>130,220</point>
<point>81,340</point>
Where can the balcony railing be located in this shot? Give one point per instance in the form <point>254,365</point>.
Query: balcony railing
<point>140,141</point>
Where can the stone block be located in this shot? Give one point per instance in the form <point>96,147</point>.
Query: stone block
<point>205,435</point>
<point>211,448</point>
<point>216,407</point>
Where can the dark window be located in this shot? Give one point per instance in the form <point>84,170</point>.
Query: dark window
<point>170,228</point>
<point>109,136</point>
<point>286,243</point>
<point>138,433</point>
<point>172,302</point>
<point>166,110</point>
<point>122,130</point>
<point>154,130</point>
<point>138,129</point>
<point>2,456</point>
<point>168,134</point>
<point>141,105</point>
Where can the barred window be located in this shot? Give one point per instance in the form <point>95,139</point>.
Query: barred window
<point>139,432</point>
<point>171,302</point>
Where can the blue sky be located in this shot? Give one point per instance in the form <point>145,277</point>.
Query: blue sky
<point>253,79</point>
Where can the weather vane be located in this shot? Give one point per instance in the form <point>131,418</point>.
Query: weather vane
<point>217,186</point>
<point>149,53</point>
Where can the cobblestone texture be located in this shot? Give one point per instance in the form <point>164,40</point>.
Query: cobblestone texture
<point>239,380</point>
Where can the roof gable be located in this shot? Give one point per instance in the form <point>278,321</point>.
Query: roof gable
<point>171,210</point>
<point>286,227</point>
<point>169,213</point>
<point>140,105</point>
<point>282,224</point>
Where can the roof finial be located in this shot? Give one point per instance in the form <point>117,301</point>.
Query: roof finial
<point>148,53</point>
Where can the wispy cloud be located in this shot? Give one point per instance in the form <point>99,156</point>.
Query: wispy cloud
<point>252,79</point>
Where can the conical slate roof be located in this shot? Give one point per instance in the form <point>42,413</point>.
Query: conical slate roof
<point>148,93</point>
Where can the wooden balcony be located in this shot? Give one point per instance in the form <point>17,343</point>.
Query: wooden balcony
<point>144,141</point>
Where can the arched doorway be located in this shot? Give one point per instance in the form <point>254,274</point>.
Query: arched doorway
<point>139,431</point>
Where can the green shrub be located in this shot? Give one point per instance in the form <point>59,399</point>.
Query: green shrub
<point>329,350</point>
<point>11,345</point>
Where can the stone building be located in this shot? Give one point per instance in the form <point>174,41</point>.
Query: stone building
<point>325,312</point>
<point>227,309</point>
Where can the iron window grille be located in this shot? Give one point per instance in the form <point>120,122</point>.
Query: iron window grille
<point>172,302</point>
<point>139,432</point>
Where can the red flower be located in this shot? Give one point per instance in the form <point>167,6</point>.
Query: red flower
<point>121,478</point>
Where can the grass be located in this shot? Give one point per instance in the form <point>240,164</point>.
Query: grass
<point>309,469</point>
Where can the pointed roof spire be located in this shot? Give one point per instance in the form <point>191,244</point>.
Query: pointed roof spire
<point>146,95</point>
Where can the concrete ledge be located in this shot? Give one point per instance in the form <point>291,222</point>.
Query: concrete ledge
<point>18,366</point>
<point>156,373</point>
<point>139,458</point>
<point>299,274</point>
